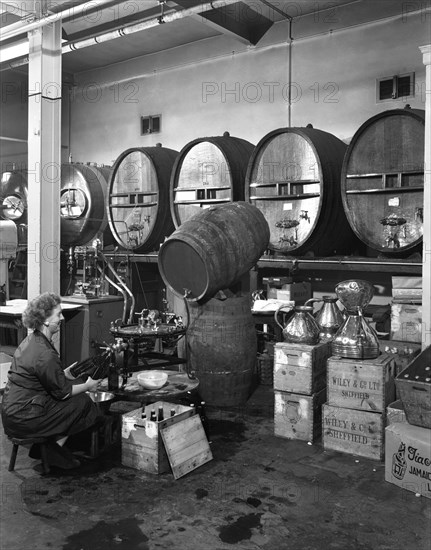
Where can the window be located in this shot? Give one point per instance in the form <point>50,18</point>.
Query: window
<point>395,87</point>
<point>151,124</point>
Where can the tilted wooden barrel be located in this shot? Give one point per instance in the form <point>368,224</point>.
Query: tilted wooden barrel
<point>293,178</point>
<point>383,180</point>
<point>138,199</point>
<point>208,171</point>
<point>83,204</point>
<point>213,250</point>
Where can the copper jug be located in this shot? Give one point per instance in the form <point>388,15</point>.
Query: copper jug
<point>301,327</point>
<point>329,317</point>
<point>355,339</point>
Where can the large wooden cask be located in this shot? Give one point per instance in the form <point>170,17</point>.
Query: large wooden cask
<point>293,177</point>
<point>83,204</point>
<point>138,198</point>
<point>383,180</point>
<point>208,171</point>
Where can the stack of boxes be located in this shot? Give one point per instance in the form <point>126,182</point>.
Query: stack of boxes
<point>299,389</point>
<point>358,392</point>
<point>406,309</point>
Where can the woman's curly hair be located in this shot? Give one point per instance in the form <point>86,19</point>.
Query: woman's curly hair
<point>39,309</point>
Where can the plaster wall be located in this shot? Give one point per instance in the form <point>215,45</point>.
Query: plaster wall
<point>214,86</point>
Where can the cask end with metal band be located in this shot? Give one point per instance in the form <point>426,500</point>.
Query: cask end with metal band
<point>83,204</point>
<point>212,250</point>
<point>293,178</point>
<point>13,201</point>
<point>208,171</point>
<point>138,198</point>
<point>382,181</point>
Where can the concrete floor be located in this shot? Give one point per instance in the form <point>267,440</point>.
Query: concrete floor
<point>258,492</point>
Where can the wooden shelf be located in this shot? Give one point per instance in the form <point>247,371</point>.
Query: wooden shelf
<point>345,263</point>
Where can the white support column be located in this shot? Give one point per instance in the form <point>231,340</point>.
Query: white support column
<point>44,159</point>
<point>426,268</point>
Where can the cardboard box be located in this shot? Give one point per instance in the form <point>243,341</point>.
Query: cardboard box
<point>178,442</point>
<point>354,432</point>
<point>298,292</point>
<point>406,322</point>
<point>407,289</point>
<point>298,416</point>
<point>408,458</point>
<point>5,363</point>
<point>367,384</point>
<point>300,368</point>
<point>414,389</point>
<point>395,413</point>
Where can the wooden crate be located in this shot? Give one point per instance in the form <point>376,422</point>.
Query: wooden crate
<point>353,431</point>
<point>366,384</point>
<point>403,352</point>
<point>299,368</point>
<point>414,389</point>
<point>395,413</point>
<point>298,416</point>
<point>178,442</point>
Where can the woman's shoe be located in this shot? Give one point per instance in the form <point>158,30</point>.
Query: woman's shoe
<point>61,458</point>
<point>34,451</point>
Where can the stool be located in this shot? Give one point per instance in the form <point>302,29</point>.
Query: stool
<point>30,441</point>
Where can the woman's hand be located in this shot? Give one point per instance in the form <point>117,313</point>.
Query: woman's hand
<point>92,385</point>
<point>67,372</point>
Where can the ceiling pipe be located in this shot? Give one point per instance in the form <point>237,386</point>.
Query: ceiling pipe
<point>147,24</point>
<point>21,27</point>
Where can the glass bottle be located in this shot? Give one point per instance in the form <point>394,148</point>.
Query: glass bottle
<point>153,416</point>
<point>160,414</point>
<point>204,419</point>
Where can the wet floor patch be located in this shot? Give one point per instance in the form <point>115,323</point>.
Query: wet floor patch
<point>121,535</point>
<point>240,529</point>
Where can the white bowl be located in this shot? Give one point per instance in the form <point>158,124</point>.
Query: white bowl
<point>152,379</point>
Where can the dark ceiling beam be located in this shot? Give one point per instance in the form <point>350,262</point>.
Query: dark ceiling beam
<point>236,20</point>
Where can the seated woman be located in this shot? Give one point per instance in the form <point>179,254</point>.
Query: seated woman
<point>40,399</point>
